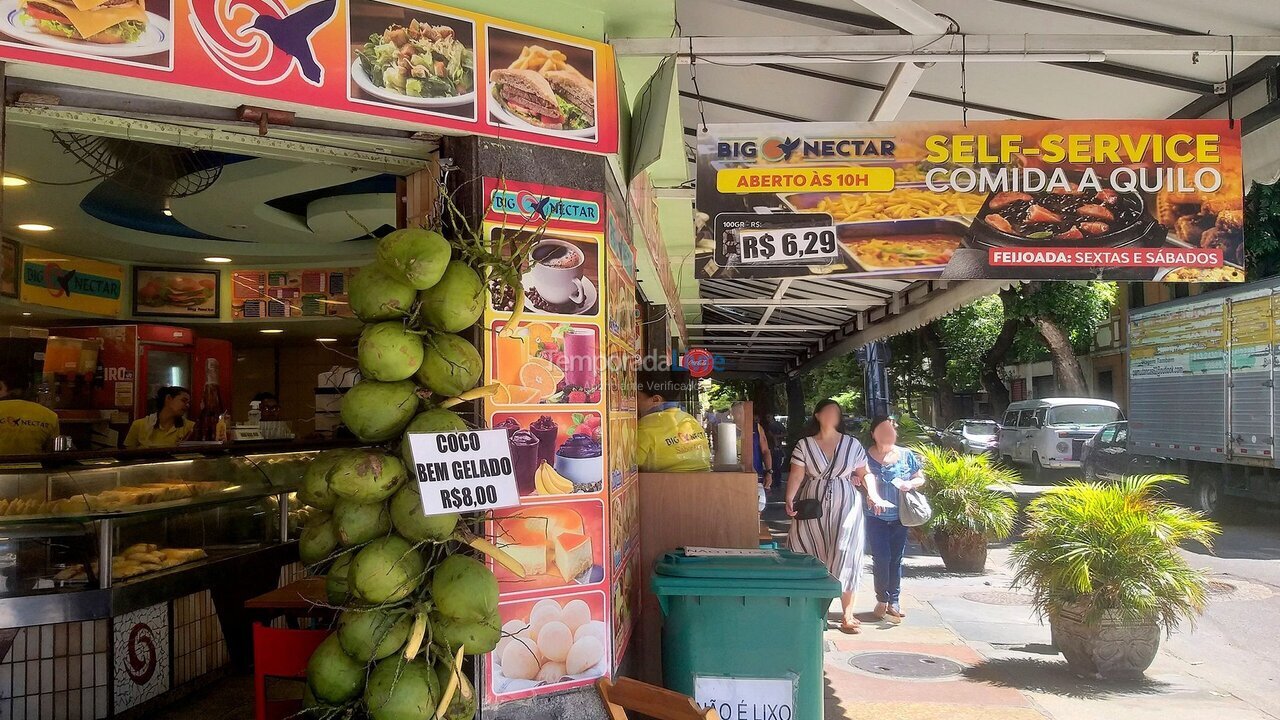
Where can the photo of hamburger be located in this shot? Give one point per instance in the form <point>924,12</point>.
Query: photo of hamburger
<point>527,95</point>
<point>105,22</point>
<point>576,97</point>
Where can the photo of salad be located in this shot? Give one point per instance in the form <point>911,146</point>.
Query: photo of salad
<point>412,59</point>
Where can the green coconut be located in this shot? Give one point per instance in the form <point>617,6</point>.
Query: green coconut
<point>411,523</point>
<point>450,366</point>
<point>464,589</point>
<point>358,523</point>
<point>463,704</point>
<point>369,635</point>
<point>431,420</point>
<point>315,481</point>
<point>334,676</point>
<point>389,352</point>
<point>386,570</point>
<point>336,586</point>
<point>402,690</point>
<point>416,256</point>
<point>366,476</point>
<point>475,638</point>
<point>318,540</point>
<point>377,294</point>
<point>378,411</point>
<point>456,302</point>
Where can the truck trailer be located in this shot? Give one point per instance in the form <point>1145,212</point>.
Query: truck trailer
<point>1202,392</point>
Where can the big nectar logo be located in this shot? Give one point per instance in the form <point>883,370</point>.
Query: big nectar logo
<point>262,41</point>
<point>536,208</point>
<point>784,149</point>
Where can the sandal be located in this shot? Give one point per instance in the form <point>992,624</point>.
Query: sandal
<point>895,611</point>
<point>852,628</point>
<point>894,616</point>
<point>880,611</point>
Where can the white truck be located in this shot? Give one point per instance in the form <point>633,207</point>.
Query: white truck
<point>1202,392</point>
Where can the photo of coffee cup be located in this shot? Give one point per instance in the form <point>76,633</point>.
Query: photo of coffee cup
<point>557,272</point>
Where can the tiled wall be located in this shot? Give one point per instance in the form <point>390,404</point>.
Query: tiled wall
<point>198,645</point>
<point>57,672</point>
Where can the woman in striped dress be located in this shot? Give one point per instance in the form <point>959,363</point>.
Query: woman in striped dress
<point>836,537</point>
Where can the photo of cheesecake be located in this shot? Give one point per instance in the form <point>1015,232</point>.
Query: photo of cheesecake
<point>557,545</point>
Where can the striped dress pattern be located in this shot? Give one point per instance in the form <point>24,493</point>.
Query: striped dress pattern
<point>837,537</point>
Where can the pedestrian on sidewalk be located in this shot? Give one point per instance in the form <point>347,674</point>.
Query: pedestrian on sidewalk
<point>892,470</point>
<point>827,469</point>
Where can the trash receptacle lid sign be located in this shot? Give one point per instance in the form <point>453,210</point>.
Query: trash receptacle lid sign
<point>465,471</point>
<point>728,552</point>
<point>746,698</point>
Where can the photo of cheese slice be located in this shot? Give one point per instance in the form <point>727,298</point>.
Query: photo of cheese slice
<point>90,17</point>
<point>572,553</point>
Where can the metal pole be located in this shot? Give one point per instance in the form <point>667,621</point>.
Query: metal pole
<point>284,517</point>
<point>105,540</point>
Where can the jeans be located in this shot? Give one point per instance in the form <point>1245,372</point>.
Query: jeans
<point>887,543</point>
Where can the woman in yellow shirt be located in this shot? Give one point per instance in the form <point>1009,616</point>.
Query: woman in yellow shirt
<point>167,426</point>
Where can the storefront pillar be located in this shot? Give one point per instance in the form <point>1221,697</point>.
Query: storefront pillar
<point>795,407</point>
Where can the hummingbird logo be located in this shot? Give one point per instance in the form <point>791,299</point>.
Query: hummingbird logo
<point>789,146</point>
<point>262,41</point>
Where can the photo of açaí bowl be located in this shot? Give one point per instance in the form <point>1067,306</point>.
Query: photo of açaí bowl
<point>581,460</point>
<point>1089,219</point>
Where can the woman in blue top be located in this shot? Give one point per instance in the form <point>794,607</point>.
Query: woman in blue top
<point>894,469</point>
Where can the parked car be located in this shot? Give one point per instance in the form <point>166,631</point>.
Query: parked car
<point>1050,433</point>
<point>972,436</point>
<point>1110,458</point>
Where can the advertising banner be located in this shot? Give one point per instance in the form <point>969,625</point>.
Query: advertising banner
<point>406,60</point>
<point>1133,200</point>
<point>551,363</point>
<point>58,280</point>
<point>279,294</point>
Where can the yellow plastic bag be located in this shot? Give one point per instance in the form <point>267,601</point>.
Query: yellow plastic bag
<point>671,440</point>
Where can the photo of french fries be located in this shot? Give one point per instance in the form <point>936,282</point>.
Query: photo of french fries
<point>542,60</point>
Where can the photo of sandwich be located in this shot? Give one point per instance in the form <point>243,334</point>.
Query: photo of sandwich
<point>541,85</point>
<point>98,28</point>
<point>175,293</point>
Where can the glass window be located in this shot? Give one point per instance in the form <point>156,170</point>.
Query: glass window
<point>1083,415</point>
<point>1040,416</point>
<point>1122,434</point>
<point>1108,434</point>
<point>955,426</point>
<point>981,429</point>
<point>1024,418</point>
<point>1011,418</point>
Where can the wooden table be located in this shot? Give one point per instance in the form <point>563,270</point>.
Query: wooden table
<point>305,598</point>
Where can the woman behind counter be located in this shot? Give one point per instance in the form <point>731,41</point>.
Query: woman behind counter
<point>167,426</point>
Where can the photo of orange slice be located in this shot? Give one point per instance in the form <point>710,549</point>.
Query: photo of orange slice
<point>556,373</point>
<point>536,377</point>
<point>539,333</point>
<point>509,394</point>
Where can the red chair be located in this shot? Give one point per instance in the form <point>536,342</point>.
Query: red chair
<point>280,654</point>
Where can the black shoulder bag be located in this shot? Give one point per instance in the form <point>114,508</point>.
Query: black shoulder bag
<point>811,508</point>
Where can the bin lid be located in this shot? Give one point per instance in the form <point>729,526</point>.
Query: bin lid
<point>745,565</point>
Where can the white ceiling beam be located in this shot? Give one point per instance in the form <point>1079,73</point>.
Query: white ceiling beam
<point>940,48</point>
<point>744,328</point>
<point>783,286</point>
<point>770,302</point>
<point>914,19</point>
<point>897,91</point>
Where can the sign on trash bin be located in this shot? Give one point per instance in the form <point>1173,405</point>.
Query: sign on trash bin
<point>746,698</point>
<point>466,471</point>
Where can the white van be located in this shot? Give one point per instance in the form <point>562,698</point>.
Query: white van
<point>1051,433</point>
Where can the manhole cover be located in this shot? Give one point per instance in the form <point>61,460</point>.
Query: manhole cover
<point>1218,588</point>
<point>998,597</point>
<point>906,666</point>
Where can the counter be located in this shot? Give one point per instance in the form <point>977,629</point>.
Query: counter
<point>145,558</point>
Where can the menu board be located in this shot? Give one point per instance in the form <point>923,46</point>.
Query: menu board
<point>283,294</point>
<point>409,61</point>
<point>1136,200</point>
<point>551,363</point>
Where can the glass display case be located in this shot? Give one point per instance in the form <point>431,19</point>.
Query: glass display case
<point>108,534</point>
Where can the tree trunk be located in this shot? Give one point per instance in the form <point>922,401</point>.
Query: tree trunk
<point>1066,366</point>
<point>993,360</point>
<point>937,355</point>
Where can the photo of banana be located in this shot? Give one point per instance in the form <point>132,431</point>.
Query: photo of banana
<point>550,482</point>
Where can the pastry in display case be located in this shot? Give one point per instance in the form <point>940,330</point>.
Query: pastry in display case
<point>150,524</point>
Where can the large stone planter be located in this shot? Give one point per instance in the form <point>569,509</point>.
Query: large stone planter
<point>963,553</point>
<point>1111,649</point>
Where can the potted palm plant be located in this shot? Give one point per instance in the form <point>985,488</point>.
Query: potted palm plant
<point>971,506</point>
<point>1103,565</point>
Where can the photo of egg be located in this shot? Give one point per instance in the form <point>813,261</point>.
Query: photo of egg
<point>561,642</point>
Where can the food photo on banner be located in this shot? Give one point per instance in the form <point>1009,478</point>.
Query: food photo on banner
<point>562,276</point>
<point>555,643</point>
<point>553,363</point>
<point>559,545</point>
<point>138,32</point>
<point>1133,200</point>
<point>555,453</point>
<point>541,85</point>
<point>410,58</point>
<point>161,292</point>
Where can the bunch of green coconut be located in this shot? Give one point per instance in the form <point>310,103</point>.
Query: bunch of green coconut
<point>412,599</point>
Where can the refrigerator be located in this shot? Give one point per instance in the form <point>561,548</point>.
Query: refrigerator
<point>137,360</point>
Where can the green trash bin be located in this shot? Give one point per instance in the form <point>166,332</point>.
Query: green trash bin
<point>739,627</point>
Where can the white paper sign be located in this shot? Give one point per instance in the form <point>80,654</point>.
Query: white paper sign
<point>746,698</point>
<point>728,552</point>
<point>465,471</point>
<point>788,245</point>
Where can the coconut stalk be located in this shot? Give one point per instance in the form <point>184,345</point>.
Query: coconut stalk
<point>498,554</point>
<point>446,698</point>
<point>481,392</point>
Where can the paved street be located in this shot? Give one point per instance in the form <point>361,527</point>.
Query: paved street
<point>1005,666</point>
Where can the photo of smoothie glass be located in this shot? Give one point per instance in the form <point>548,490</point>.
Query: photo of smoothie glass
<point>524,460</point>
<point>581,351</point>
